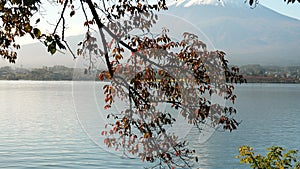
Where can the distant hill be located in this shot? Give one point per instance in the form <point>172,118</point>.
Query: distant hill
<point>36,55</point>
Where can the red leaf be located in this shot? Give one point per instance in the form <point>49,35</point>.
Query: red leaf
<point>101,76</point>
<point>107,107</point>
<point>106,99</point>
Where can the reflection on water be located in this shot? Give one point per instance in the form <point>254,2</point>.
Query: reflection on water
<point>39,127</point>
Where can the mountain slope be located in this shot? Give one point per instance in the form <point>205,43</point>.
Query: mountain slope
<point>257,35</point>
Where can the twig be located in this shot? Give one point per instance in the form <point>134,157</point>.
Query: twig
<point>61,15</point>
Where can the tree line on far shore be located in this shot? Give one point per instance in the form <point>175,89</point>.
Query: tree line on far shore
<point>253,73</point>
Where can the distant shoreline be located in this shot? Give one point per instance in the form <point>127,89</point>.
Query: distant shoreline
<point>252,73</point>
<point>49,80</point>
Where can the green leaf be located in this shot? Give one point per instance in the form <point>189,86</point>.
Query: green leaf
<point>27,27</point>
<point>52,48</point>
<point>49,38</point>
<point>37,33</point>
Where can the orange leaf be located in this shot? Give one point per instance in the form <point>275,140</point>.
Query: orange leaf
<point>101,76</point>
<point>107,75</point>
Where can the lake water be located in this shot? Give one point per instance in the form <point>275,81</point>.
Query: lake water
<point>40,128</point>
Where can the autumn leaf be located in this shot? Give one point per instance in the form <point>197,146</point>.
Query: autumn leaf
<point>147,135</point>
<point>101,76</point>
<point>107,107</point>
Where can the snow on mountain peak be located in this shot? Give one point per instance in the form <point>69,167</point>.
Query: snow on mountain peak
<point>223,3</point>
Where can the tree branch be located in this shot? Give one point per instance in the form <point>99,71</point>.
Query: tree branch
<point>61,16</point>
<point>100,27</point>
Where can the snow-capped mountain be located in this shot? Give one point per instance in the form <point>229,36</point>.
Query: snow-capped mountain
<point>248,35</point>
<point>186,3</point>
<point>223,3</point>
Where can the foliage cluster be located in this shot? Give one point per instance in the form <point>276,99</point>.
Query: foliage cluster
<point>276,158</point>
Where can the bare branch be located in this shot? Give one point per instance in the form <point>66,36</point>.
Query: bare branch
<point>61,16</point>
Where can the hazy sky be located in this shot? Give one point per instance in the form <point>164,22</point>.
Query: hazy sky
<point>292,10</point>
<point>75,24</point>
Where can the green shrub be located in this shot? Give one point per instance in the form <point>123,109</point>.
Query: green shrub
<point>276,158</point>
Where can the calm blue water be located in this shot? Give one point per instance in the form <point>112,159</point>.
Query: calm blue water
<point>39,127</point>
